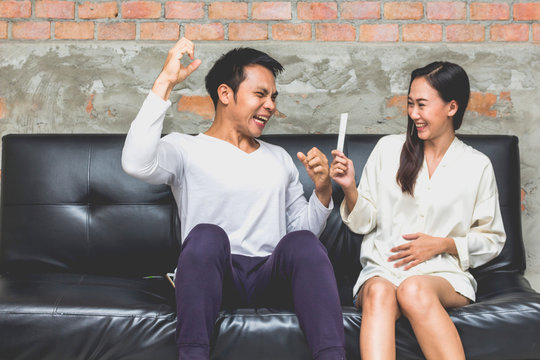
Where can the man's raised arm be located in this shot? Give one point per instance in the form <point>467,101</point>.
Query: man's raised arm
<point>144,156</point>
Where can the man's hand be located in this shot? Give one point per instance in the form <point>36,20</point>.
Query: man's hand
<point>316,165</point>
<point>419,248</point>
<point>173,71</point>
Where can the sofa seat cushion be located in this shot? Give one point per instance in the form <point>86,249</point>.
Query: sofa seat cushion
<point>86,317</point>
<point>511,318</point>
<point>93,317</point>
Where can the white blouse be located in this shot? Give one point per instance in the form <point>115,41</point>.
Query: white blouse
<point>459,201</point>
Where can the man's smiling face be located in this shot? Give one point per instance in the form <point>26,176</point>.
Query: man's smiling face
<point>255,101</point>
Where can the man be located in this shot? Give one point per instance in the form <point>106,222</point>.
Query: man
<point>247,229</point>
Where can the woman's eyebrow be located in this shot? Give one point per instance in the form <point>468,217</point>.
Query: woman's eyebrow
<point>419,99</point>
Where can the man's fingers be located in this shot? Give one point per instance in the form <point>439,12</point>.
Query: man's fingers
<point>193,66</point>
<point>316,153</point>
<point>309,159</point>
<point>179,49</point>
<point>183,42</point>
<point>314,161</point>
<point>301,157</point>
<point>318,170</point>
<point>183,46</point>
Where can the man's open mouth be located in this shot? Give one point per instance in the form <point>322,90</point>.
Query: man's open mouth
<point>261,119</point>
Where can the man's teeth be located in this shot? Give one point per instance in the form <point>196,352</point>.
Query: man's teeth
<point>261,118</point>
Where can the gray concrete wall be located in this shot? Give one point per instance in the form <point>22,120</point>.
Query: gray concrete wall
<point>93,87</point>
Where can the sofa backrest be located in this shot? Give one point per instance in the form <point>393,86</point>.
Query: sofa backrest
<point>68,206</point>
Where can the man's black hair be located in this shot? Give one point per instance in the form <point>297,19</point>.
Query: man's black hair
<point>229,69</point>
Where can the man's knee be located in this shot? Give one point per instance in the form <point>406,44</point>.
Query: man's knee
<point>206,241</point>
<point>302,247</point>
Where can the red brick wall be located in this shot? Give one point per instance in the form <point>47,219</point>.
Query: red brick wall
<point>361,21</point>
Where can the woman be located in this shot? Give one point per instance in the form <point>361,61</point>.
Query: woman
<point>429,206</point>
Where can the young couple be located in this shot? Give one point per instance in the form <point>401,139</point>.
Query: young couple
<point>427,202</point>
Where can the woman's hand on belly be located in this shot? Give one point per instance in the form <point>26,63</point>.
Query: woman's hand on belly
<point>419,248</point>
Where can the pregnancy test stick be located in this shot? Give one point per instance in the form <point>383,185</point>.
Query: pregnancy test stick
<point>342,129</point>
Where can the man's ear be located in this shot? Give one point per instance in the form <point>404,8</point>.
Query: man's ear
<point>453,108</point>
<point>225,94</point>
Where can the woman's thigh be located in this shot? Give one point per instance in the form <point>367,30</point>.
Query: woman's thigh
<point>417,285</point>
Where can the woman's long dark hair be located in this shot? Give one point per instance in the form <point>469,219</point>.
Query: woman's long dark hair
<point>452,83</point>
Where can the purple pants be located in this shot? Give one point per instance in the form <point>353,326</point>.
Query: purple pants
<point>298,273</point>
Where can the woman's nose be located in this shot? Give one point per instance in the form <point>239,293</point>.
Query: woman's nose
<point>413,112</point>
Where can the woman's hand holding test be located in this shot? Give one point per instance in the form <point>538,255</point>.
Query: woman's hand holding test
<point>342,172</point>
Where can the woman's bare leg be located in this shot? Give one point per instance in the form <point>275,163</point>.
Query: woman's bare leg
<point>377,299</point>
<point>423,300</point>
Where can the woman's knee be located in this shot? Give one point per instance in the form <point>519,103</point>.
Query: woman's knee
<point>378,295</point>
<point>416,297</point>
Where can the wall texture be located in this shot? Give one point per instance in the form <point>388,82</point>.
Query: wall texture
<point>75,66</point>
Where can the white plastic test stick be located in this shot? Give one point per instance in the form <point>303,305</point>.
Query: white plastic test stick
<point>342,130</point>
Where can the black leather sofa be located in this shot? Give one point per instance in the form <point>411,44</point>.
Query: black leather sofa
<point>84,247</point>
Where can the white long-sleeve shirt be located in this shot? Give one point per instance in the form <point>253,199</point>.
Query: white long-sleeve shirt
<point>459,201</point>
<point>256,198</point>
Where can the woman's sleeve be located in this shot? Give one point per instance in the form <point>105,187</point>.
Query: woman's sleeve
<point>363,217</point>
<point>145,155</point>
<point>486,236</point>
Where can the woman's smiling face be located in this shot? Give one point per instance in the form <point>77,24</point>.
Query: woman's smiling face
<point>432,116</point>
